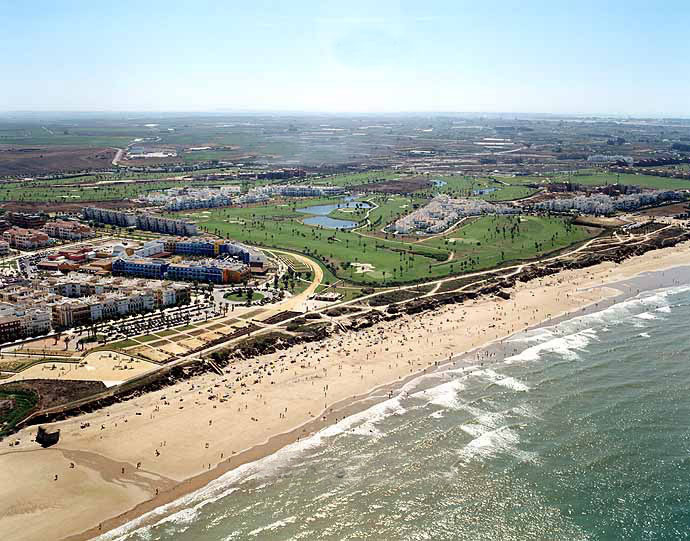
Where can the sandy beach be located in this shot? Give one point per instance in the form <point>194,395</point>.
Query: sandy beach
<point>137,455</point>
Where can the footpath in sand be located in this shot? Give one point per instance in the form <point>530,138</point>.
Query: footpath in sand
<point>142,451</point>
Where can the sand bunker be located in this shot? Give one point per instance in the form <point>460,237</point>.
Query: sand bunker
<point>461,240</point>
<point>361,268</point>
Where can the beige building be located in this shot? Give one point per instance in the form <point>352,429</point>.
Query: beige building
<point>61,229</point>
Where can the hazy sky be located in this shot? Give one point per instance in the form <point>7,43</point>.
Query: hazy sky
<point>560,56</point>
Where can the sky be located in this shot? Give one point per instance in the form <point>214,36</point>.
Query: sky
<point>600,57</point>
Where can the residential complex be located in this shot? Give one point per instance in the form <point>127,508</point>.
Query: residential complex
<point>443,212</point>
<point>68,230</point>
<point>600,204</point>
<point>208,270</point>
<point>49,304</point>
<point>27,220</point>
<point>189,198</point>
<point>146,222</point>
<point>25,239</point>
<point>265,193</point>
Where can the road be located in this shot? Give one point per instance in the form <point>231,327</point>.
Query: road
<point>118,155</point>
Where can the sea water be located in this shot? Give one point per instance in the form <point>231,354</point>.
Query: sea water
<point>578,430</point>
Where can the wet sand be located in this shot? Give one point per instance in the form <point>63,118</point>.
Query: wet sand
<point>148,451</point>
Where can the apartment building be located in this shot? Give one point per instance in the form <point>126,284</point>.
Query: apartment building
<point>85,310</point>
<point>146,222</point>
<point>34,319</point>
<point>61,229</point>
<point>152,247</point>
<point>141,267</point>
<point>109,216</point>
<point>210,247</point>
<point>25,239</point>
<point>217,272</point>
<point>27,220</point>
<point>10,328</point>
<point>150,222</point>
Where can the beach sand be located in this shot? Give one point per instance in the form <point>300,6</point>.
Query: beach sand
<point>147,451</point>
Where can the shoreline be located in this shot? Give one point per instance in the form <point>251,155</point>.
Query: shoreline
<point>601,281</point>
<point>361,404</point>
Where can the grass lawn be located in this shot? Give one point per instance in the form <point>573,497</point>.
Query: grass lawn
<point>378,261</point>
<point>279,227</point>
<point>355,179</point>
<point>508,193</point>
<point>645,181</point>
<point>22,403</point>
<point>592,177</point>
<point>487,241</point>
<point>185,328</point>
<point>167,332</point>
<point>122,344</point>
<point>147,338</point>
<point>390,208</point>
<point>242,297</point>
<point>67,190</point>
<point>300,285</point>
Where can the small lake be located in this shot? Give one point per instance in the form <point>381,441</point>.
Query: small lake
<point>484,191</point>
<point>322,219</point>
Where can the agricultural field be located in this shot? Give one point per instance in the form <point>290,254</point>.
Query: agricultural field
<point>354,179</point>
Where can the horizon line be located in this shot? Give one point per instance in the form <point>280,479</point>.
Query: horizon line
<point>636,116</point>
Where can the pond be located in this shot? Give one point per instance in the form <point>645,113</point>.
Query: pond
<point>484,191</point>
<point>322,219</point>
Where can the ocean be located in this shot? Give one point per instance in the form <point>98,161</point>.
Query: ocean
<point>579,429</point>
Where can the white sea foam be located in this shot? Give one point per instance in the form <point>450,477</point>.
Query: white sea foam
<point>492,442</point>
<point>444,395</point>
<point>644,335</point>
<point>503,381</point>
<point>565,346</point>
<point>274,525</point>
<point>602,319</point>
<point>567,337</point>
